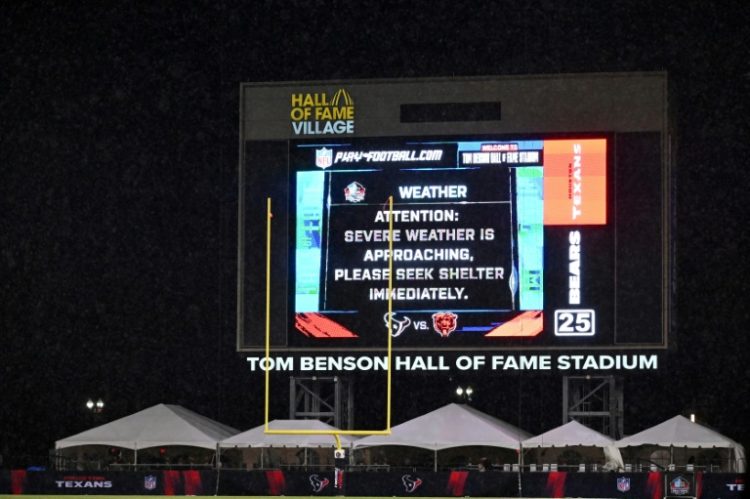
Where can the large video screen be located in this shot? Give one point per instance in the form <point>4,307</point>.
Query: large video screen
<point>480,243</point>
<point>491,239</point>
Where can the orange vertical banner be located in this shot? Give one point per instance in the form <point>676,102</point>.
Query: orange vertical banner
<point>575,182</point>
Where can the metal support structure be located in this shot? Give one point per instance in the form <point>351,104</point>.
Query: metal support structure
<point>595,401</point>
<point>329,399</point>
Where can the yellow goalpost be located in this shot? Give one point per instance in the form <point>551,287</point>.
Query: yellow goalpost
<point>335,433</point>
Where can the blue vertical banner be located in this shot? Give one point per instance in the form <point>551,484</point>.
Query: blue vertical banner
<point>310,206</point>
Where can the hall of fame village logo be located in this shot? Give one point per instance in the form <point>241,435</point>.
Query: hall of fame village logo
<point>322,113</point>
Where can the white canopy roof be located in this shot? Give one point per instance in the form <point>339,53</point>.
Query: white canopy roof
<point>256,437</point>
<point>453,425</point>
<point>574,434</point>
<point>681,432</point>
<point>569,434</point>
<point>678,431</point>
<point>162,424</point>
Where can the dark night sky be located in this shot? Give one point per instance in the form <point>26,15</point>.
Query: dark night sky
<point>118,155</point>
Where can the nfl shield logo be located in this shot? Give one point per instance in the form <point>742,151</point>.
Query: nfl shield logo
<point>149,482</point>
<point>623,484</point>
<point>323,157</point>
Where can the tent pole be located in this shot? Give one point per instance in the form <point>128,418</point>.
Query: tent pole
<point>218,469</point>
<point>520,469</point>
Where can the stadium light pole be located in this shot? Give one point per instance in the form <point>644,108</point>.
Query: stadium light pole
<point>95,407</point>
<point>465,393</point>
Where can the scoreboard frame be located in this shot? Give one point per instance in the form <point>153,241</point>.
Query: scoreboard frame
<point>626,110</point>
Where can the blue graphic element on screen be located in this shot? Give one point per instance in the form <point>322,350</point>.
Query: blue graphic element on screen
<point>310,204</point>
<point>530,202</point>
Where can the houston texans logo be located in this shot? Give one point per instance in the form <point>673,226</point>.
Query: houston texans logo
<point>397,326</point>
<point>411,484</point>
<point>318,484</point>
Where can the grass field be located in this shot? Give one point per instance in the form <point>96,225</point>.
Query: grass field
<point>112,496</point>
<point>103,496</point>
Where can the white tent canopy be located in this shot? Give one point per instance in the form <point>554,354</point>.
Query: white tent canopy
<point>574,434</point>
<point>570,434</point>
<point>160,425</point>
<point>681,432</point>
<point>256,437</point>
<point>453,425</point>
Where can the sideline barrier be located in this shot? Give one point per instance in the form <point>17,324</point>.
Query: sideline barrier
<point>652,485</point>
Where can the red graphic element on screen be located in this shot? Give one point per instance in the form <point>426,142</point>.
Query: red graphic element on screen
<point>319,326</point>
<point>528,324</point>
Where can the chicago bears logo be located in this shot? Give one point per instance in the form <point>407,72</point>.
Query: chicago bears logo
<point>318,484</point>
<point>410,484</point>
<point>444,323</point>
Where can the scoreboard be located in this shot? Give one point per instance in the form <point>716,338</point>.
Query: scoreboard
<point>496,214</point>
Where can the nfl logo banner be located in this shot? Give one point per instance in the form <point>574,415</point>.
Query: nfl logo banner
<point>149,482</point>
<point>623,484</point>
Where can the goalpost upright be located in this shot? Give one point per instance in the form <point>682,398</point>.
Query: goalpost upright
<point>337,432</point>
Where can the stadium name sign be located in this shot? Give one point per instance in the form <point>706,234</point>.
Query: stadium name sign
<point>478,362</point>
